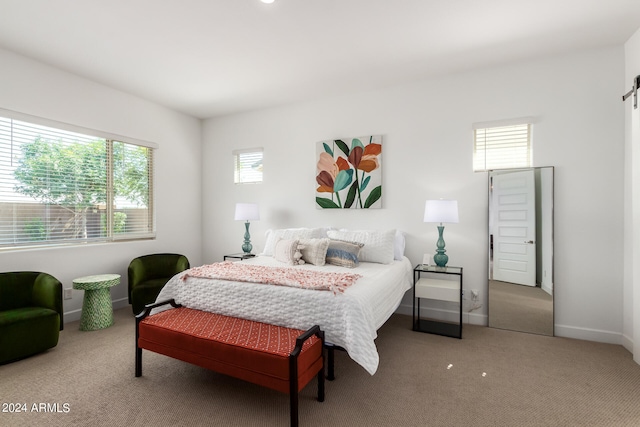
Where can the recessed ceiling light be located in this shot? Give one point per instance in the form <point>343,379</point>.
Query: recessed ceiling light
<point>267,1</point>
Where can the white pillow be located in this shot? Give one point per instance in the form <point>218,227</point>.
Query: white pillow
<point>378,245</point>
<point>314,251</point>
<point>288,251</point>
<point>289,233</point>
<point>398,245</point>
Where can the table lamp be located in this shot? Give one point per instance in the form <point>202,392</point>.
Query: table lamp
<point>441,211</point>
<point>247,212</point>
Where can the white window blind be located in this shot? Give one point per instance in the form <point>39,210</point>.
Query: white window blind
<point>62,187</point>
<point>247,166</point>
<point>502,147</point>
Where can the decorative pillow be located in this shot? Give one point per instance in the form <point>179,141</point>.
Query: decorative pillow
<point>378,245</point>
<point>288,251</point>
<point>289,233</point>
<point>398,245</point>
<point>344,254</point>
<point>315,250</point>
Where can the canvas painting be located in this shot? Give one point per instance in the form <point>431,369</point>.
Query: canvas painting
<point>349,173</point>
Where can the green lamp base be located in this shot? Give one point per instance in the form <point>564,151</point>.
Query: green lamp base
<point>440,258</point>
<point>247,246</point>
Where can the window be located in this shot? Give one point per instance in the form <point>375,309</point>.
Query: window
<point>502,147</point>
<point>247,166</point>
<point>59,186</point>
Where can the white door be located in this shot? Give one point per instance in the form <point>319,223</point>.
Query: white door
<point>514,227</point>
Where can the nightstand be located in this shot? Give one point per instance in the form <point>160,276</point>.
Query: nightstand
<point>437,283</point>
<point>240,256</point>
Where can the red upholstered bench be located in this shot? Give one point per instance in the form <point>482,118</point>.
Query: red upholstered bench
<point>276,357</point>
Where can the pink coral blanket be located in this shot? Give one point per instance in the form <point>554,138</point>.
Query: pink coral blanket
<point>282,276</point>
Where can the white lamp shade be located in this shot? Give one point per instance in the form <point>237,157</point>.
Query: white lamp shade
<point>247,212</point>
<point>441,211</point>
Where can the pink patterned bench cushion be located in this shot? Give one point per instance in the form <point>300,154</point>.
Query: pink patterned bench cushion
<point>230,330</point>
<point>252,351</point>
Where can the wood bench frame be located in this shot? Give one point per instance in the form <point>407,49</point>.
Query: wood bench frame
<point>293,358</point>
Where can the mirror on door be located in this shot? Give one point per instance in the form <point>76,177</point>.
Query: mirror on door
<point>521,250</point>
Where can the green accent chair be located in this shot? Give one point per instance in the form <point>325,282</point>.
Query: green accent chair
<point>31,315</point>
<point>148,274</point>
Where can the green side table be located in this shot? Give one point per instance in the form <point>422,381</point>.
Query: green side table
<point>97,311</point>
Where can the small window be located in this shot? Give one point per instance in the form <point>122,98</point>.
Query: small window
<point>502,147</point>
<point>247,166</point>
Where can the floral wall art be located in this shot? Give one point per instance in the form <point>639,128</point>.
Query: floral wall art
<point>349,173</point>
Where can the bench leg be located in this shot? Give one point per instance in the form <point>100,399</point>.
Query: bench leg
<point>138,361</point>
<point>331,353</point>
<point>293,389</point>
<point>293,403</point>
<point>321,384</point>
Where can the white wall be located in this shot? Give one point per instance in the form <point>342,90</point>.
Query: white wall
<point>631,306</point>
<point>427,153</point>
<point>30,87</point>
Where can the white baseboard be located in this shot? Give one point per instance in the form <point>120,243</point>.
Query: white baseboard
<point>74,315</point>
<point>453,316</point>
<point>627,342</point>
<point>445,315</point>
<point>560,330</point>
<point>588,334</point>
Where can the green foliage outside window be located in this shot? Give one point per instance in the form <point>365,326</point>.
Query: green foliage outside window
<point>72,177</point>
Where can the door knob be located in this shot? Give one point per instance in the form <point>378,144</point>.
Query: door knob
<point>530,242</point>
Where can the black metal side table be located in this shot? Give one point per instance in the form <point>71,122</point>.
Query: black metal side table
<point>427,284</point>
<point>240,256</point>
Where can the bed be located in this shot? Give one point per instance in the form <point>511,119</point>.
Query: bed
<point>349,318</point>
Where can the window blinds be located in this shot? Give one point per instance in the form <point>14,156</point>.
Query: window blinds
<point>502,147</point>
<point>132,191</point>
<point>247,166</point>
<point>59,186</point>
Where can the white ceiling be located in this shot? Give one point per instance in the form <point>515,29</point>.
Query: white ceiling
<point>214,57</point>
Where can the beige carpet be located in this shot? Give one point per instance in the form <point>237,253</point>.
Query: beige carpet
<point>491,377</point>
<point>520,308</point>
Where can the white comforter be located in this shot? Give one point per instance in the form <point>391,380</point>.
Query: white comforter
<point>349,320</point>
